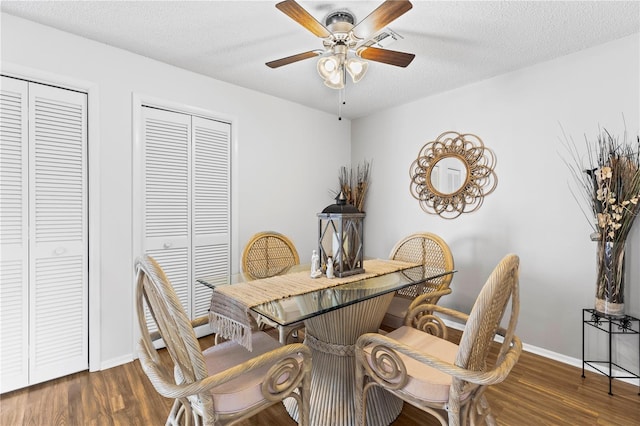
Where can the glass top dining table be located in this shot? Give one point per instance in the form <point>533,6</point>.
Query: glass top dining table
<point>334,317</point>
<point>318,302</point>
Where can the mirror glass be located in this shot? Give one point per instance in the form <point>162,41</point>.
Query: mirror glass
<point>448,175</point>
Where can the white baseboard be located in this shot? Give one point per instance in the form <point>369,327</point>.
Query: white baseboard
<point>203,330</point>
<point>575,362</point>
<point>114,362</point>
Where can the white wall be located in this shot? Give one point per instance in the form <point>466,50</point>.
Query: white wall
<point>284,172</point>
<point>285,167</point>
<point>531,213</point>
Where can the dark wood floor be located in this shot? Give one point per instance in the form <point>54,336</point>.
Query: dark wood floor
<point>538,392</point>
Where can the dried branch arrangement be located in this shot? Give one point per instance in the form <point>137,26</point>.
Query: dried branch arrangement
<point>610,184</point>
<point>355,183</point>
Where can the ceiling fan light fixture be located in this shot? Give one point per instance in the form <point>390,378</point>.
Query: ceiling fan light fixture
<point>328,66</point>
<point>336,79</point>
<point>331,69</point>
<point>356,69</point>
<point>341,36</point>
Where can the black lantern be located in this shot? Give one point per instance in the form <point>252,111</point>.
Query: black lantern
<point>340,237</point>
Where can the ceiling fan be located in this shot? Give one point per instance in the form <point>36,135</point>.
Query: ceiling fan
<point>340,36</point>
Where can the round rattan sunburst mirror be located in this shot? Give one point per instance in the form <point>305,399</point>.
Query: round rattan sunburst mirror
<point>453,174</point>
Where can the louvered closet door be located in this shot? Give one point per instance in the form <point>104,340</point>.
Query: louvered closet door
<point>186,208</point>
<point>167,187</point>
<point>43,233</point>
<point>211,218</point>
<point>14,246</point>
<point>58,232</point>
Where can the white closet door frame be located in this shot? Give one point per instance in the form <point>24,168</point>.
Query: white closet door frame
<point>93,98</point>
<point>46,227</point>
<point>138,101</point>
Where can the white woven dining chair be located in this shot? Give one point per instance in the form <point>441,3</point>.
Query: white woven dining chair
<point>417,364</point>
<point>225,383</point>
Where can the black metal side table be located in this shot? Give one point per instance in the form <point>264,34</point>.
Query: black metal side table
<point>612,325</point>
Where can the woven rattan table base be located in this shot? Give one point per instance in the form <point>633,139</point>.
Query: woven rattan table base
<point>332,337</point>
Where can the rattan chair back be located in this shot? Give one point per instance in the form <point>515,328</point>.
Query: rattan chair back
<point>433,253</point>
<point>155,292</point>
<point>268,254</point>
<point>486,315</point>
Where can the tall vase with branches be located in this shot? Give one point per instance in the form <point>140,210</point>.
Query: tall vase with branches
<point>610,185</point>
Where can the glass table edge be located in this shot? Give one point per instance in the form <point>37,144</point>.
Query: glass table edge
<point>262,308</point>
<point>278,321</point>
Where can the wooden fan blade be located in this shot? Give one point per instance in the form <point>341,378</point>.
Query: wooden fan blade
<point>391,57</point>
<point>386,13</point>
<point>296,12</point>
<point>294,58</point>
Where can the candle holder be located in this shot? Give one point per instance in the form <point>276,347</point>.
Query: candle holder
<point>340,237</point>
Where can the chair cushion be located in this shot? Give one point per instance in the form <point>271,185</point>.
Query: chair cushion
<point>242,392</point>
<point>425,383</point>
<point>288,309</point>
<point>396,312</point>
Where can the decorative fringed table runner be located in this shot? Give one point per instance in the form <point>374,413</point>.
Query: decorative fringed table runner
<point>229,314</point>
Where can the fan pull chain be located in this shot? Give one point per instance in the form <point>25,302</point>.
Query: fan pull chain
<point>341,101</point>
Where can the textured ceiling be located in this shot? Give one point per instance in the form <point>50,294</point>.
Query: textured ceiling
<point>456,43</point>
